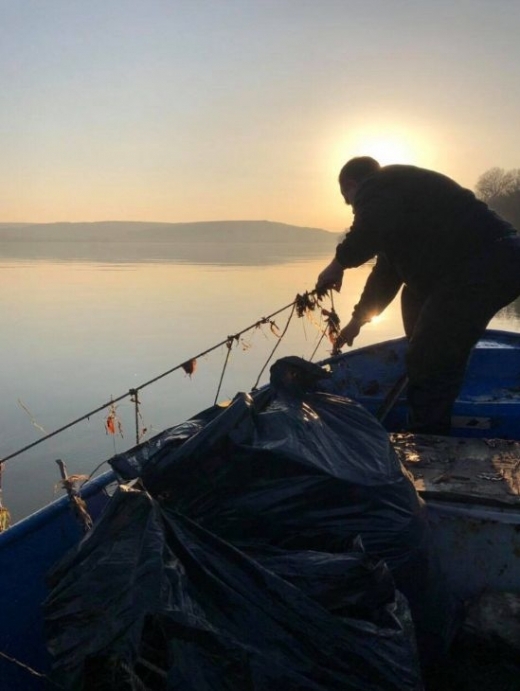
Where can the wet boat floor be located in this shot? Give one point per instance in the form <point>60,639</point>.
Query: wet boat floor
<point>476,666</point>
<point>474,669</point>
<point>483,471</point>
<point>472,471</point>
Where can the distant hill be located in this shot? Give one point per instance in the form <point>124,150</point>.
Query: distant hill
<point>211,242</point>
<point>138,231</point>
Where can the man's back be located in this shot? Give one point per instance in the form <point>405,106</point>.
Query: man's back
<point>426,224</point>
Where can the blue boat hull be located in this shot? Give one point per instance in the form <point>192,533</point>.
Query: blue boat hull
<point>488,404</point>
<point>27,552</point>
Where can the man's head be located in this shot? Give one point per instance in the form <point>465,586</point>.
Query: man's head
<point>353,173</point>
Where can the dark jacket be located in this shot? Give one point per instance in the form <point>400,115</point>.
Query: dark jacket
<point>421,225</point>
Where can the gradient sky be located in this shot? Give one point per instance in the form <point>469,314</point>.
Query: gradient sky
<point>193,110</point>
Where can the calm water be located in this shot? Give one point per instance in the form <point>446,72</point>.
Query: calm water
<point>78,332</point>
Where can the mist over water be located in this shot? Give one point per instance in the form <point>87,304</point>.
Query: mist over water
<point>91,323</point>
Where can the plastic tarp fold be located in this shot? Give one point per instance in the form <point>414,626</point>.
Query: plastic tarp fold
<point>267,551</point>
<point>227,622</point>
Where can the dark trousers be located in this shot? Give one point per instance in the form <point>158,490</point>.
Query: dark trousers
<point>444,325</point>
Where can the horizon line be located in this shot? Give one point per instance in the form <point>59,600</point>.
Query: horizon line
<point>241,220</point>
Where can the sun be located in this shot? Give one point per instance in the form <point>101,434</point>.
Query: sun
<point>386,142</point>
<point>388,149</point>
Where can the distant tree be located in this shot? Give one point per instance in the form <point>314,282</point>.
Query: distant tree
<point>497,182</point>
<point>500,189</point>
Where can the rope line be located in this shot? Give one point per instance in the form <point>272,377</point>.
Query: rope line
<point>229,345</point>
<point>255,385</point>
<point>300,304</point>
<point>323,334</point>
<point>327,327</point>
<point>27,668</point>
<point>134,398</point>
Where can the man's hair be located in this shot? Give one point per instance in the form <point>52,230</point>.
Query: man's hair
<point>358,169</point>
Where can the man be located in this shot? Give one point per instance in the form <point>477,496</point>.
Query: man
<point>458,263</point>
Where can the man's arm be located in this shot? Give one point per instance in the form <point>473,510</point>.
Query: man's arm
<point>330,277</point>
<point>381,287</point>
<point>349,253</point>
<point>375,214</point>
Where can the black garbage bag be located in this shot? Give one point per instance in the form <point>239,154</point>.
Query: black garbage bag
<point>274,495</point>
<point>302,469</point>
<point>150,579</point>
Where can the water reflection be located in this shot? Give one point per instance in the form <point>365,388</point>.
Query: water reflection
<point>210,253</point>
<point>246,243</point>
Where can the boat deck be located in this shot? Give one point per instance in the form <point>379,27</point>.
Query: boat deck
<point>477,471</point>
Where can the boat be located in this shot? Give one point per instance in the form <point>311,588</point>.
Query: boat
<point>469,481</point>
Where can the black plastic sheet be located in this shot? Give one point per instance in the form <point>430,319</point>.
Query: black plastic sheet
<point>267,552</point>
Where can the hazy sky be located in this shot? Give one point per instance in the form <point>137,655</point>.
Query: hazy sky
<point>191,110</point>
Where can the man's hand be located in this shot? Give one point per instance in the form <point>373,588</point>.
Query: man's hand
<point>330,277</point>
<point>348,333</point>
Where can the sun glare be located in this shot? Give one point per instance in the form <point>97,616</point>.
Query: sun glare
<point>388,150</point>
<point>386,143</point>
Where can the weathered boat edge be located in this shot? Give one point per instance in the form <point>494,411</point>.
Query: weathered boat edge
<point>27,551</point>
